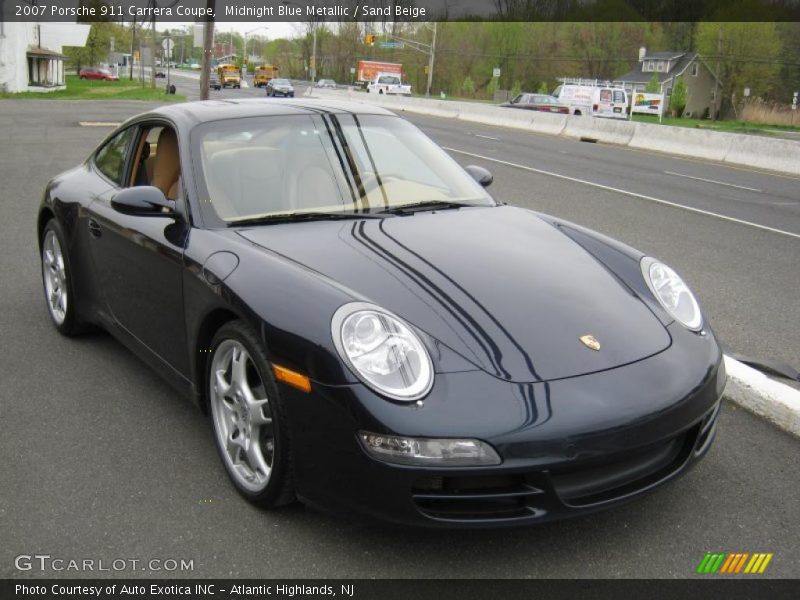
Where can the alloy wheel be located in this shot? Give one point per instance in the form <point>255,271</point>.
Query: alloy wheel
<point>242,415</point>
<point>55,278</point>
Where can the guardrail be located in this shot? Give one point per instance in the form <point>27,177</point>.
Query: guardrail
<point>735,148</point>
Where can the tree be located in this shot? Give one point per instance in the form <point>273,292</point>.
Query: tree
<point>516,89</point>
<point>468,87</point>
<point>677,101</point>
<point>543,89</point>
<point>654,85</point>
<point>744,55</point>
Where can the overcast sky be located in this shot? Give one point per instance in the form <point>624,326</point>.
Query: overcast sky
<point>270,30</point>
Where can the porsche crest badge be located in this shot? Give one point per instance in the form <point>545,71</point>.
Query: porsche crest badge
<point>590,342</point>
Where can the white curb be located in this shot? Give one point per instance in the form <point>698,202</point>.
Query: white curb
<point>751,389</point>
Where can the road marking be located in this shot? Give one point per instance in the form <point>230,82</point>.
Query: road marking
<point>98,124</point>
<point>487,137</point>
<point>741,187</point>
<point>626,192</point>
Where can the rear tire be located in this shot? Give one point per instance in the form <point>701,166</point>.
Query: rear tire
<point>250,425</point>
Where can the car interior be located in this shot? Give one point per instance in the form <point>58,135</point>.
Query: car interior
<point>281,169</point>
<point>157,161</point>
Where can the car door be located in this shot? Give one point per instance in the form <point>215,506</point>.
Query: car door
<point>139,259</point>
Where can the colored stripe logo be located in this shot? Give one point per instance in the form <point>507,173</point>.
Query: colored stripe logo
<point>735,563</point>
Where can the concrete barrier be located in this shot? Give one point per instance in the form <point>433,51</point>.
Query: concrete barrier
<point>766,153</point>
<point>734,148</point>
<point>683,141</point>
<point>609,131</point>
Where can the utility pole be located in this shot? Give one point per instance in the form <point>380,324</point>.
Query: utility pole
<point>431,58</point>
<point>717,100</point>
<point>208,48</point>
<point>153,47</point>
<point>133,43</point>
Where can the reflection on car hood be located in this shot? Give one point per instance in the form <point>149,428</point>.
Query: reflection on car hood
<point>501,287</point>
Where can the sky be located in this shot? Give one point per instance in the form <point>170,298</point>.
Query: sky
<point>274,30</point>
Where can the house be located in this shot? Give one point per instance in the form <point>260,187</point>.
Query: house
<point>31,58</point>
<point>701,82</point>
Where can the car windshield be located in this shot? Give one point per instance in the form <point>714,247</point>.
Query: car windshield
<point>280,81</point>
<point>264,167</point>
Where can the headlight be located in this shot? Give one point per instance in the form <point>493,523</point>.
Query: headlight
<point>673,294</point>
<point>382,351</point>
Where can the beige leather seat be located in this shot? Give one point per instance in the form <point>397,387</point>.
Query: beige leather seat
<point>246,181</point>
<point>167,164</point>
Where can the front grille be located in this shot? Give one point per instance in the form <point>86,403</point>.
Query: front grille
<point>623,475</point>
<point>476,498</point>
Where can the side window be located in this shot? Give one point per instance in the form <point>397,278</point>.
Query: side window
<point>110,159</point>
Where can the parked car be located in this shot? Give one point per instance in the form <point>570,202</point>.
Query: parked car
<point>380,335</point>
<point>96,73</point>
<point>160,75</point>
<point>280,87</point>
<point>213,81</point>
<point>326,83</point>
<point>541,102</point>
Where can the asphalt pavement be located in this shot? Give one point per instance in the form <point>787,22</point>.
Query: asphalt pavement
<point>103,461</point>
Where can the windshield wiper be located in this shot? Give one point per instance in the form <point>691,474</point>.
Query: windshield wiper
<point>303,216</point>
<point>408,209</point>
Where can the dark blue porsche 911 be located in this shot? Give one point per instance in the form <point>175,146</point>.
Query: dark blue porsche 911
<point>368,330</point>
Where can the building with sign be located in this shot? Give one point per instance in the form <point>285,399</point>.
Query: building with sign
<point>31,58</point>
<point>700,80</point>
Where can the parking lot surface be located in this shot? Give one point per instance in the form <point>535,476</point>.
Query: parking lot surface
<point>103,461</point>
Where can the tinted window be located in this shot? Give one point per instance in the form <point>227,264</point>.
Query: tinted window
<point>110,159</point>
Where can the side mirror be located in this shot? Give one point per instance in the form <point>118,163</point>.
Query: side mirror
<point>143,201</point>
<point>481,175</point>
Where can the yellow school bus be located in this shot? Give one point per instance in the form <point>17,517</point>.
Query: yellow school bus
<point>229,76</point>
<point>263,74</point>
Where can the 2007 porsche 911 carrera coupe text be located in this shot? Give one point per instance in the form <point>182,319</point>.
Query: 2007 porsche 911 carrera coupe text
<point>368,330</point>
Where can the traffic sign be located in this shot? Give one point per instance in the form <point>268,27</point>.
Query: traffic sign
<point>390,44</point>
<point>496,72</point>
<point>167,44</point>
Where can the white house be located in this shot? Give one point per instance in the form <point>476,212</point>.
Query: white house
<point>31,58</point>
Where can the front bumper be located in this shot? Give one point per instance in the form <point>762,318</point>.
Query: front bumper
<point>569,447</point>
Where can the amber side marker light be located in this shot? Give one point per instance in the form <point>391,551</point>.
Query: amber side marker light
<point>293,378</point>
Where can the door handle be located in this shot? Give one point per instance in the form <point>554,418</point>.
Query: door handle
<point>94,228</point>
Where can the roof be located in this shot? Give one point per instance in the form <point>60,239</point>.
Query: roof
<point>215,110</point>
<point>637,75</point>
<point>44,53</point>
<point>663,55</point>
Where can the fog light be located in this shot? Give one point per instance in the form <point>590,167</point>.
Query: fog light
<point>428,451</point>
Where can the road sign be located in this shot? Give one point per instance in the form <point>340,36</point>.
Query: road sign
<point>352,70</point>
<point>390,44</point>
<point>496,72</point>
<point>167,44</point>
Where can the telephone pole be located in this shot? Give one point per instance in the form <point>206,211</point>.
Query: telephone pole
<point>208,48</point>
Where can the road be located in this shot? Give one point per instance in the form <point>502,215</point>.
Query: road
<point>102,460</point>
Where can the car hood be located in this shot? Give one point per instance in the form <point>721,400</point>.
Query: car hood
<point>498,285</point>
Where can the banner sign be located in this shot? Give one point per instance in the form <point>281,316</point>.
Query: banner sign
<point>649,104</point>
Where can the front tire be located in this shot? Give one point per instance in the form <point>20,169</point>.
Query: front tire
<point>248,419</point>
<point>57,280</point>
